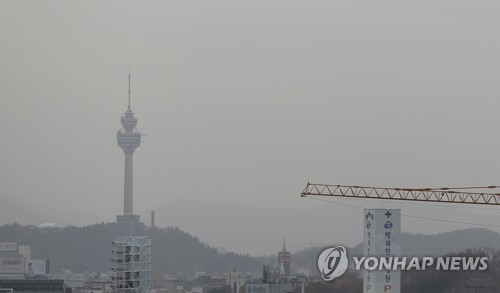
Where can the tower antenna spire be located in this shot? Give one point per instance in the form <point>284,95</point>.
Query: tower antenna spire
<point>129,87</point>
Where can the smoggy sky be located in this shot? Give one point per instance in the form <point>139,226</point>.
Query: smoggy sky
<point>244,102</point>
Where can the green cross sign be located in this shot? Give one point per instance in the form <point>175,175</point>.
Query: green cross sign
<point>388,214</point>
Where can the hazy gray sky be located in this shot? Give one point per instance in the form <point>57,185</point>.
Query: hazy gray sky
<point>243,102</point>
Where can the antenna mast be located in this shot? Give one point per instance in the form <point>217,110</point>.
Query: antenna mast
<point>129,87</point>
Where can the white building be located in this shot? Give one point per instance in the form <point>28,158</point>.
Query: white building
<point>382,230</point>
<point>16,262</point>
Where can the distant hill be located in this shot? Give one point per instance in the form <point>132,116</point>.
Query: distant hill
<point>259,231</point>
<point>443,243</point>
<point>11,213</point>
<point>415,245</point>
<point>89,248</point>
<point>247,229</point>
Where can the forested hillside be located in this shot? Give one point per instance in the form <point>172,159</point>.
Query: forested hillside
<point>89,248</point>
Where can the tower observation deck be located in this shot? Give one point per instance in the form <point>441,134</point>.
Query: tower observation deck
<point>128,138</point>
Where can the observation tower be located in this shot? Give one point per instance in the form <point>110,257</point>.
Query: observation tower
<point>129,138</point>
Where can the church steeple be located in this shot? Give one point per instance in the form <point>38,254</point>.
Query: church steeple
<point>284,259</point>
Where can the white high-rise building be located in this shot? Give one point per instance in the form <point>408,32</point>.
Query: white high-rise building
<point>382,231</point>
<point>131,257</point>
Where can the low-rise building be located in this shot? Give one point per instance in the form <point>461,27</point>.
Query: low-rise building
<point>269,288</point>
<point>38,285</point>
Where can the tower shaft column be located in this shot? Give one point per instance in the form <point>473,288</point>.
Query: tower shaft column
<point>128,191</point>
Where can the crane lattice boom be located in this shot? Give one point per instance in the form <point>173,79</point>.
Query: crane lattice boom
<point>447,195</point>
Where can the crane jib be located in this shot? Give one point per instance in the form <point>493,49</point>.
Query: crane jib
<point>445,194</point>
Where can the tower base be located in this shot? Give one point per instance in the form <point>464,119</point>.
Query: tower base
<point>127,218</point>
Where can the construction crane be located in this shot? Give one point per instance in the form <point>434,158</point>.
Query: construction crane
<point>444,194</point>
<point>457,195</point>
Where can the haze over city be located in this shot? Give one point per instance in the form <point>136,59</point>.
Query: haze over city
<point>241,105</point>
